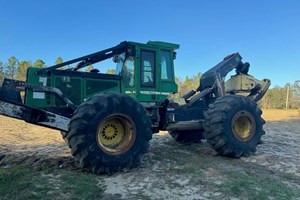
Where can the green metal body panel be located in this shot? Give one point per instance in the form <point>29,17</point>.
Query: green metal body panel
<point>76,88</point>
<point>151,78</point>
<point>36,99</point>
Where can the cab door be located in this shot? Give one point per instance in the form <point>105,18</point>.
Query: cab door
<point>167,85</point>
<point>149,80</point>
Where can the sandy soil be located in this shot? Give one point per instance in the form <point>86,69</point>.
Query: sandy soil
<point>170,170</point>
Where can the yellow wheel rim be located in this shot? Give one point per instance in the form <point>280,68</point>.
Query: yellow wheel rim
<point>243,126</point>
<point>116,134</point>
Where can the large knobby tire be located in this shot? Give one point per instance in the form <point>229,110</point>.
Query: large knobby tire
<point>109,133</point>
<point>187,136</point>
<point>233,126</point>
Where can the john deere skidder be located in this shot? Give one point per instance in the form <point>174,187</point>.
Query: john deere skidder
<point>108,119</point>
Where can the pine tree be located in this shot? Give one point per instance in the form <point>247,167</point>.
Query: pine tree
<point>11,69</point>
<point>59,60</point>
<point>39,63</point>
<point>22,70</point>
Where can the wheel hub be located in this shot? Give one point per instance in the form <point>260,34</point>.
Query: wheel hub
<point>243,126</point>
<point>116,134</point>
<point>111,132</point>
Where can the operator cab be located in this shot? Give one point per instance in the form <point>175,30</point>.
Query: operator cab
<point>147,70</point>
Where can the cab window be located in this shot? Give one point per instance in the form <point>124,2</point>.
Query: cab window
<point>166,68</point>
<point>147,68</point>
<point>128,71</point>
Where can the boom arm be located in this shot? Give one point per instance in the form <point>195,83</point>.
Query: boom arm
<point>240,83</point>
<point>90,59</point>
<point>230,62</point>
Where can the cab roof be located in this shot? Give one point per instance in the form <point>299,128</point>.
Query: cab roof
<point>159,44</point>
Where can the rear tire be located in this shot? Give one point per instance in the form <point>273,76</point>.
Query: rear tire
<point>109,133</point>
<point>187,136</point>
<point>233,126</point>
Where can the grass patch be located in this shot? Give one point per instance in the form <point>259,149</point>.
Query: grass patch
<point>21,182</point>
<point>254,187</point>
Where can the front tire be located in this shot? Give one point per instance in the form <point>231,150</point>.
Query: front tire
<point>109,133</point>
<point>233,126</point>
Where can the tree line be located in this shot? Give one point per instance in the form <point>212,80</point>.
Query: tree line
<point>275,98</point>
<point>15,69</point>
<point>282,97</point>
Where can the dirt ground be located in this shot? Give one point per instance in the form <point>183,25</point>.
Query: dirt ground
<point>170,170</point>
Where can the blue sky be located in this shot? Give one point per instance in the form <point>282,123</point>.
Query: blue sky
<point>266,32</point>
